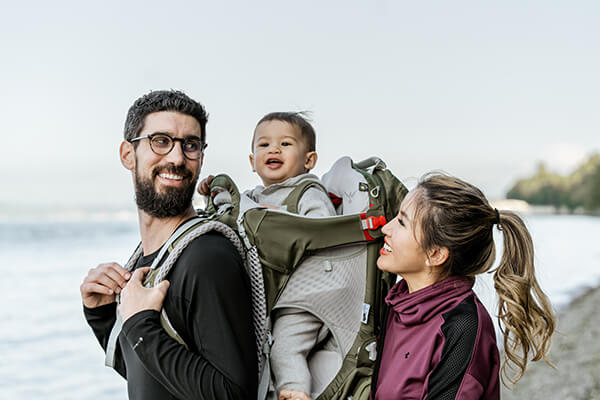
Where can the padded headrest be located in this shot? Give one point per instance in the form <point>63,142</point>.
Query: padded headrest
<point>348,184</point>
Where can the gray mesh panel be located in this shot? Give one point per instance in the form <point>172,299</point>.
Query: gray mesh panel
<point>331,285</point>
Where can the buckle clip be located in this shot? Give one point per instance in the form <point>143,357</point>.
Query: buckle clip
<point>376,222</point>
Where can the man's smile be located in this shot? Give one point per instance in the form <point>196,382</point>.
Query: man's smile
<point>173,176</point>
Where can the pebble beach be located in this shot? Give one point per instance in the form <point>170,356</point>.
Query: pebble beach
<point>575,353</point>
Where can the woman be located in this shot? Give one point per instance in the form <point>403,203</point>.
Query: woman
<point>439,341</point>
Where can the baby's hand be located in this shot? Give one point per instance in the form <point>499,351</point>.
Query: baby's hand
<point>204,185</point>
<point>287,394</point>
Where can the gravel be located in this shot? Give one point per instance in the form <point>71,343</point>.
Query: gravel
<point>575,352</point>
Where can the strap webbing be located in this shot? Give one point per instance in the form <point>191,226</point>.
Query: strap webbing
<point>265,380</point>
<point>176,235</point>
<point>111,346</point>
<point>291,201</point>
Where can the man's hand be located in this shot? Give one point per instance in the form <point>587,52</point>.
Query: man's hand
<point>102,283</point>
<point>135,297</point>
<point>204,185</point>
<point>287,394</point>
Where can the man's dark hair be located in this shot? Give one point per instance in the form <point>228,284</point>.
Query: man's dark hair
<point>163,100</point>
<point>297,119</point>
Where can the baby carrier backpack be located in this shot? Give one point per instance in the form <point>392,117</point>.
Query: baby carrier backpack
<point>337,257</point>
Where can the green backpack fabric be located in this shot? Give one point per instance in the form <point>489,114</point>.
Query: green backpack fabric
<point>274,243</point>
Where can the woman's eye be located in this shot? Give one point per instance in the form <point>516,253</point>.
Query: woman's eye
<point>400,221</point>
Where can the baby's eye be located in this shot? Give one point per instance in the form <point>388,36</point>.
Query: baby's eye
<point>263,144</point>
<point>286,143</point>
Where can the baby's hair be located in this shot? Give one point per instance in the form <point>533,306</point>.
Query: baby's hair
<point>299,119</point>
<point>456,215</point>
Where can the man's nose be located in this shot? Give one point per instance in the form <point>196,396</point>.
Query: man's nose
<point>176,155</point>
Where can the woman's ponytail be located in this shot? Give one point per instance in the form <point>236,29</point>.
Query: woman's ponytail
<point>455,214</point>
<point>527,319</point>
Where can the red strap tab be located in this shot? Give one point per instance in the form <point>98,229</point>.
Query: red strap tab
<point>376,222</point>
<point>371,223</point>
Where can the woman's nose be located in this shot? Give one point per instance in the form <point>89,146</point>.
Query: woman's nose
<point>386,229</point>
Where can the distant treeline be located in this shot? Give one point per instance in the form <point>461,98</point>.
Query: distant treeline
<point>580,190</point>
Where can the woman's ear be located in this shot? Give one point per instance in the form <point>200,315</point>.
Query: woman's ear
<point>437,256</point>
<point>127,155</point>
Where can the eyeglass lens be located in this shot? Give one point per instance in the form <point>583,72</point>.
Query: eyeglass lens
<point>163,144</point>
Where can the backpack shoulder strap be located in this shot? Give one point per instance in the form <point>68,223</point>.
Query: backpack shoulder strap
<point>173,248</point>
<point>292,199</point>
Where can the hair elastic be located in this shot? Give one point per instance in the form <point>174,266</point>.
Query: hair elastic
<point>497,220</point>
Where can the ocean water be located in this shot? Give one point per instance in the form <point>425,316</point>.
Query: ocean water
<point>49,352</point>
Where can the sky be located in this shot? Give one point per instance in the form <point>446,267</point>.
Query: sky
<point>481,90</point>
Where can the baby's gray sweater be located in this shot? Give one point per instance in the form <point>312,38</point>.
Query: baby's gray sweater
<point>313,203</point>
<point>295,331</point>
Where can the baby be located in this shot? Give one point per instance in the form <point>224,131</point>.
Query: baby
<point>283,153</point>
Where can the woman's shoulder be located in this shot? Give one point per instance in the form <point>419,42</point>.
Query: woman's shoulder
<point>462,322</point>
<point>468,354</point>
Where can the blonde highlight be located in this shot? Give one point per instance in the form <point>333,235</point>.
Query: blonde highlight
<point>525,312</point>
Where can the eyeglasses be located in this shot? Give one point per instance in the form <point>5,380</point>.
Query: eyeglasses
<point>162,144</point>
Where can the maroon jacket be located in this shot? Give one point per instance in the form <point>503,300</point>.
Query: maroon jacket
<point>439,343</point>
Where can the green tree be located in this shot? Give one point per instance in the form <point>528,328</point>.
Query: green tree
<point>579,189</point>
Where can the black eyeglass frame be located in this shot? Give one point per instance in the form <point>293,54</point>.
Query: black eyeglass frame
<point>151,136</point>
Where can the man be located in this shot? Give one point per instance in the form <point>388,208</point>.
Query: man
<point>207,295</point>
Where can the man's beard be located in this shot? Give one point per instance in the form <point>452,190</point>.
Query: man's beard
<point>173,201</point>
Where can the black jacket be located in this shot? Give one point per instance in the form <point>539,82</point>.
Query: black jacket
<point>208,303</point>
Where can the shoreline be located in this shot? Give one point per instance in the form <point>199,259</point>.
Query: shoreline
<point>524,208</point>
<point>575,352</point>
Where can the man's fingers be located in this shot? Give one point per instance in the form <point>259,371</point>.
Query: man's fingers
<point>91,287</point>
<point>111,275</point>
<point>101,279</point>
<point>163,287</point>
<point>122,271</point>
<point>139,274</point>
<point>117,277</point>
<point>114,267</point>
<point>107,281</point>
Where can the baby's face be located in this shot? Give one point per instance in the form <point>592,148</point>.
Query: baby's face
<point>279,152</point>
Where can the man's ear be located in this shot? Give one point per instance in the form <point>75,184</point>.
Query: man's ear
<point>437,256</point>
<point>251,158</point>
<point>311,160</point>
<point>127,155</point>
